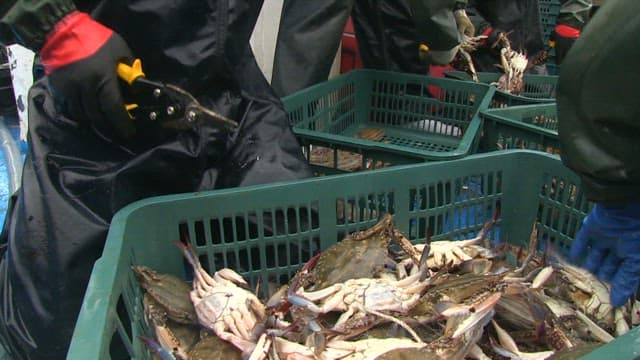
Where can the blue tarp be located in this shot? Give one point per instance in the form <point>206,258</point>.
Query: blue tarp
<point>4,174</point>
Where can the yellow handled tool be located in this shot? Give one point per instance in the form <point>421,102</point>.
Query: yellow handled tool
<point>167,104</point>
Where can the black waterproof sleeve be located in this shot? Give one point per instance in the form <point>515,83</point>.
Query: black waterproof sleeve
<point>308,39</point>
<point>388,38</point>
<point>75,179</point>
<point>388,32</point>
<point>598,107</point>
<point>435,24</point>
<point>27,22</point>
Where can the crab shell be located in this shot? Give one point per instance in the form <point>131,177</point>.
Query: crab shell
<point>171,292</point>
<point>174,337</point>
<point>212,347</point>
<point>359,255</point>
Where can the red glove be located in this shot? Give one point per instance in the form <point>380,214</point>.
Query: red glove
<point>80,56</point>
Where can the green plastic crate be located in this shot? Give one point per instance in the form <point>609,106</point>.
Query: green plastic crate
<point>538,89</point>
<point>548,10</point>
<point>422,118</point>
<point>527,185</point>
<point>532,127</point>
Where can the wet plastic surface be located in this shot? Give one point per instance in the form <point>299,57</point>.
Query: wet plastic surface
<point>5,192</point>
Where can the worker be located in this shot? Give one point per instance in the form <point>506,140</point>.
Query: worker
<point>573,16</point>
<point>87,158</point>
<point>389,35</point>
<point>599,136</point>
<point>519,20</point>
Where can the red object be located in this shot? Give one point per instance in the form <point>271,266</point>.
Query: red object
<point>350,55</point>
<point>75,37</point>
<point>487,31</point>
<point>438,71</point>
<point>567,31</point>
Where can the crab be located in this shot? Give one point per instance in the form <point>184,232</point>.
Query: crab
<point>514,64</point>
<point>340,349</point>
<point>175,338</point>
<point>231,311</point>
<point>364,302</point>
<point>460,335</point>
<point>509,349</point>
<point>591,296</point>
<point>449,253</point>
<point>170,292</point>
<point>359,255</point>
<point>468,45</point>
<point>212,347</point>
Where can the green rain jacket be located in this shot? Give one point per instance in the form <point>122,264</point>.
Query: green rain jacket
<point>599,106</point>
<point>27,22</point>
<point>574,13</point>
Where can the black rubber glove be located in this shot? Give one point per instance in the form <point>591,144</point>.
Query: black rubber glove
<point>80,57</point>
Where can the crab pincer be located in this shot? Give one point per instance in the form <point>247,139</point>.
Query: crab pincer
<point>156,348</point>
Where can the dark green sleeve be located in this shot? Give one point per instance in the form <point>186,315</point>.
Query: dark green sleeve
<point>27,22</point>
<point>574,13</point>
<point>435,24</point>
<point>598,107</point>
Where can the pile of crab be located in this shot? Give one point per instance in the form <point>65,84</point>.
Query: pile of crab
<point>375,295</point>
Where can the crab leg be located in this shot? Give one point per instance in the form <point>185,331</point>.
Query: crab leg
<point>230,275</point>
<point>305,300</point>
<point>156,348</point>
<point>595,330</point>
<point>482,309</point>
<point>261,348</point>
<point>510,349</point>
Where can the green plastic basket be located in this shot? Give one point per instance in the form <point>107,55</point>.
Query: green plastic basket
<point>552,68</point>
<point>549,10</point>
<point>532,127</point>
<point>421,118</point>
<point>538,89</point>
<point>266,232</point>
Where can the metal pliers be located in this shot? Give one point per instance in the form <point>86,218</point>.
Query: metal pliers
<point>167,105</point>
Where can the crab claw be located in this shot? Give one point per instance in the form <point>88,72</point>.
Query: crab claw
<point>302,302</point>
<point>509,348</point>
<point>156,348</point>
<point>189,253</point>
<point>477,315</point>
<point>230,275</point>
<point>277,303</point>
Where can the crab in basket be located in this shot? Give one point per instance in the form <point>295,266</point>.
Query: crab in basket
<point>591,297</point>
<point>362,254</point>
<point>449,253</point>
<point>513,64</point>
<point>364,302</point>
<point>233,313</point>
<point>359,255</point>
<point>458,340</point>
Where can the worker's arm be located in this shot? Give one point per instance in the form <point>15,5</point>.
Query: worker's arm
<point>80,56</point>
<point>573,16</point>
<point>436,29</point>
<point>482,23</point>
<point>27,22</point>
<point>599,136</point>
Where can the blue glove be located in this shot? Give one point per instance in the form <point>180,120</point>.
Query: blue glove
<point>610,237</point>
